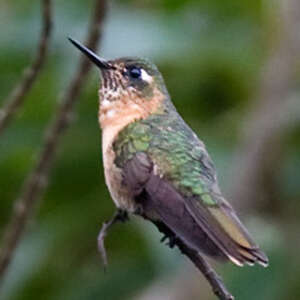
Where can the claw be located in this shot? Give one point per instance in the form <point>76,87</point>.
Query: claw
<point>122,216</point>
<point>172,240</point>
<point>139,210</point>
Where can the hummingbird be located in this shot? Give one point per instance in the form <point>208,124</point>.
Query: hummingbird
<point>155,166</point>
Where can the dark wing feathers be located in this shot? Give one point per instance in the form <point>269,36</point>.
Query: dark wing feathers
<point>213,230</point>
<point>169,205</point>
<point>137,172</point>
<point>225,229</point>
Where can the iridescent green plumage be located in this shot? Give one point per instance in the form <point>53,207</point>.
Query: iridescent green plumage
<point>173,147</point>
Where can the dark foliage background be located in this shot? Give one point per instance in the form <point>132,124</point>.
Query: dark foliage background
<point>211,54</point>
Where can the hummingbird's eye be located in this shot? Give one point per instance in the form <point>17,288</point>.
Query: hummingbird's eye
<point>135,72</point>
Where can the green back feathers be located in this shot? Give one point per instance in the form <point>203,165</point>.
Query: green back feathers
<point>172,146</point>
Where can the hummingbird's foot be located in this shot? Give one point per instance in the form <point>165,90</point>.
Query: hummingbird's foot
<point>139,210</point>
<point>172,240</point>
<point>120,216</point>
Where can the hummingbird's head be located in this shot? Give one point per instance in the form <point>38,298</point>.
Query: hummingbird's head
<point>131,78</point>
<point>126,79</point>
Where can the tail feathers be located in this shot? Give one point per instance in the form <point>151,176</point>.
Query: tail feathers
<point>224,228</point>
<point>249,256</point>
<point>240,248</point>
<point>237,244</point>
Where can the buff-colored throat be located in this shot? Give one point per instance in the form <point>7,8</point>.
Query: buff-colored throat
<point>116,115</point>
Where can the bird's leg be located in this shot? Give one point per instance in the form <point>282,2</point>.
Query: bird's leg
<point>139,210</point>
<point>119,216</point>
<point>167,234</point>
<point>172,239</point>
<point>163,238</point>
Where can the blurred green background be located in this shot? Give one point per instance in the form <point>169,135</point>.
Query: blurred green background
<point>210,53</point>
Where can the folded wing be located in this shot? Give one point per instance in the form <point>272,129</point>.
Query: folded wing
<point>214,230</point>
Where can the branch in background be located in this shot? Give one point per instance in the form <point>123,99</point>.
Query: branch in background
<point>16,99</point>
<point>35,184</point>
<point>274,112</point>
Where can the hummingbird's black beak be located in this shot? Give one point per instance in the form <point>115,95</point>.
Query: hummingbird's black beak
<point>100,62</point>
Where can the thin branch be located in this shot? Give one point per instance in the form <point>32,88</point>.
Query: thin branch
<point>16,99</point>
<point>209,273</point>
<point>199,262</point>
<point>119,216</point>
<point>35,184</point>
